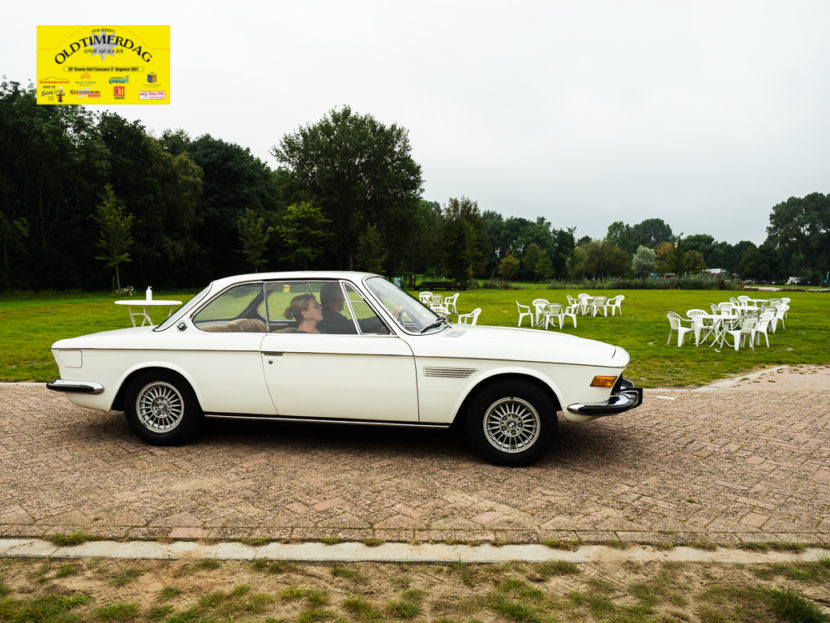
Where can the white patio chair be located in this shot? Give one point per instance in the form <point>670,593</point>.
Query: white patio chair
<point>584,302</point>
<point>780,312</point>
<point>615,304</point>
<point>524,310</point>
<point>676,324</point>
<point>553,315</point>
<point>701,329</point>
<point>471,318</point>
<point>762,327</point>
<point>743,330</point>
<point>425,297</point>
<point>570,311</point>
<point>598,304</point>
<point>540,307</point>
<point>449,303</point>
<point>744,299</point>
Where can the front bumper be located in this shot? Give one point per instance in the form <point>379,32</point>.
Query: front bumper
<point>78,387</point>
<point>624,397</point>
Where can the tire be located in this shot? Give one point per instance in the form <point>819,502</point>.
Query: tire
<point>162,409</point>
<point>511,423</point>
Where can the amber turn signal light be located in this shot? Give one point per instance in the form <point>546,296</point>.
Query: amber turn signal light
<point>604,381</point>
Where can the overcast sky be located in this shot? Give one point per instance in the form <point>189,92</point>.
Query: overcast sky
<point>705,114</point>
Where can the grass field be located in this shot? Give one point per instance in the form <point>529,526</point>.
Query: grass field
<point>30,324</point>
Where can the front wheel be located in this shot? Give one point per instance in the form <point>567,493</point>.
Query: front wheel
<point>162,409</point>
<point>511,423</point>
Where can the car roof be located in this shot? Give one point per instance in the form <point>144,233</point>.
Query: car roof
<point>297,274</point>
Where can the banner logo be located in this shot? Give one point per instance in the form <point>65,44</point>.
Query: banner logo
<point>97,61</point>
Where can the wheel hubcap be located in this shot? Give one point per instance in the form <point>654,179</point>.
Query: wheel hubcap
<point>511,424</point>
<point>160,407</point>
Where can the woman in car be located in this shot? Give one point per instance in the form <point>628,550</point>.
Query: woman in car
<point>305,309</point>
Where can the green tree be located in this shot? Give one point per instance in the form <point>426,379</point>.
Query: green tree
<point>305,233</point>
<point>600,258</point>
<point>233,180</point>
<point>621,235</point>
<point>359,171</point>
<point>694,262</point>
<point>464,240</point>
<point>650,233</point>
<point>644,261</point>
<point>801,226</point>
<point>530,261</point>
<point>370,252</point>
<point>253,236</point>
<point>115,235</point>
<point>544,267</point>
<point>509,268</point>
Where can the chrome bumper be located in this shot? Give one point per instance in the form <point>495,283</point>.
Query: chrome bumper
<point>78,387</point>
<point>626,397</point>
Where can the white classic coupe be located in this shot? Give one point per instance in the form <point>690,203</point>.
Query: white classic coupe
<point>342,347</point>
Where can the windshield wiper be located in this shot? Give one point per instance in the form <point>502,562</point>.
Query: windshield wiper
<point>435,324</point>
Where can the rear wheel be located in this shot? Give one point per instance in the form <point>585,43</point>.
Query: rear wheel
<point>162,408</point>
<point>511,423</point>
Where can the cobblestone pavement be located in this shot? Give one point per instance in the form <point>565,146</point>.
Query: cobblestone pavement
<point>741,461</point>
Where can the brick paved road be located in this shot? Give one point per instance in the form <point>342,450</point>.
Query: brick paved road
<point>724,465</point>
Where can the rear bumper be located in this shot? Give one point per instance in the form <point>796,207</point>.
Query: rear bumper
<point>625,397</point>
<point>77,387</point>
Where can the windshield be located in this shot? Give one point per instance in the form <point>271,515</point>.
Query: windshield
<point>186,308</point>
<point>406,310</point>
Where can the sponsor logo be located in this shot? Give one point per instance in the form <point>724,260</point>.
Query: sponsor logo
<point>85,93</point>
<point>53,80</point>
<point>152,78</point>
<point>151,95</point>
<point>119,92</point>
<point>119,80</point>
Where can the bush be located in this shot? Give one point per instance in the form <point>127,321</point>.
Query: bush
<point>690,282</point>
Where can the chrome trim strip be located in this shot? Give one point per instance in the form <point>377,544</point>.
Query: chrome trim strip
<point>79,387</point>
<point>616,404</point>
<point>307,420</point>
<point>449,373</point>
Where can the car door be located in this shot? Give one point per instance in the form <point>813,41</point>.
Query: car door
<point>365,375</point>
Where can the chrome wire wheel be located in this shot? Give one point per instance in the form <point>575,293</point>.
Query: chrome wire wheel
<point>159,406</point>
<point>511,425</point>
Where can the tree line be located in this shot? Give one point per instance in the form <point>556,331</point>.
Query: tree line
<point>89,200</point>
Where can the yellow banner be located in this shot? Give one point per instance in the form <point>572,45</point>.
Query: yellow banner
<point>103,64</point>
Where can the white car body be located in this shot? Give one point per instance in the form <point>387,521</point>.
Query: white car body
<point>402,377</point>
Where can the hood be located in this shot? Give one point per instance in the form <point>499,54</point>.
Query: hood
<point>486,342</point>
<point>129,337</point>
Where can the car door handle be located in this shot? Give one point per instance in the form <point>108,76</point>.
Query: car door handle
<point>273,354</point>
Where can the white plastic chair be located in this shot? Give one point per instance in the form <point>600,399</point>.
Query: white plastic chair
<point>449,303</point>
<point>553,315</point>
<point>425,297</point>
<point>524,310</point>
<point>762,327</point>
<point>570,311</point>
<point>744,299</point>
<point>584,302</point>
<point>676,324</point>
<point>699,325</point>
<point>780,314</point>
<point>598,304</point>
<point>743,330</point>
<point>540,307</point>
<point>615,304</point>
<point>471,318</point>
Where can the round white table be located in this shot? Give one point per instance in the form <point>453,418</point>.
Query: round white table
<point>134,304</point>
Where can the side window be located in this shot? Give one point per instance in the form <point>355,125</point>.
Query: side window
<point>235,310</point>
<point>366,318</point>
<point>286,300</point>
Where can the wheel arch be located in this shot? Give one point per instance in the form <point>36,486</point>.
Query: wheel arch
<point>502,377</point>
<point>118,401</point>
